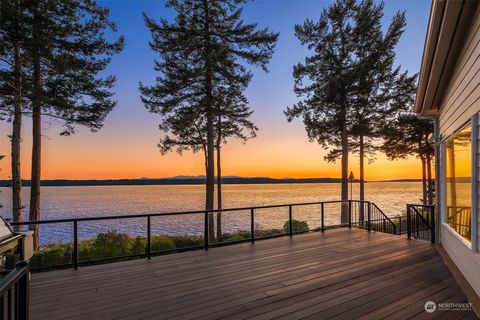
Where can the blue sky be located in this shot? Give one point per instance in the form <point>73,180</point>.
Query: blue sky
<point>126,146</point>
<point>136,61</point>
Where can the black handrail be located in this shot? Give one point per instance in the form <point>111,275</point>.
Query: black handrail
<point>14,293</point>
<point>417,226</point>
<point>458,217</point>
<point>375,218</point>
<point>392,224</point>
<point>144,215</point>
<point>379,220</point>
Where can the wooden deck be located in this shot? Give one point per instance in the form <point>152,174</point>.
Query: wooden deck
<point>341,274</point>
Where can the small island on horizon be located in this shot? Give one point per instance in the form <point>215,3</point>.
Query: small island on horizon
<point>187,180</point>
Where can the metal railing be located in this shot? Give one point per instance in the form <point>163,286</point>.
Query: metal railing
<point>401,222</point>
<point>14,293</point>
<point>459,219</point>
<point>421,222</point>
<point>360,214</point>
<point>367,215</point>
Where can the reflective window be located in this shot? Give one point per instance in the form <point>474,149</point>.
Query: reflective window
<point>458,188</point>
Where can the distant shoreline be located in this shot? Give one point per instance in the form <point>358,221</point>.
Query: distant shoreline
<point>187,181</point>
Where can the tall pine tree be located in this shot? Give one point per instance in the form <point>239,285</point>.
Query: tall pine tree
<point>349,84</point>
<point>379,86</point>
<point>325,82</point>
<point>14,35</point>
<point>233,121</point>
<point>205,50</point>
<point>408,136</point>
<point>1,157</point>
<point>68,51</point>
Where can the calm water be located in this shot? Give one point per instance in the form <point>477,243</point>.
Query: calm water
<point>92,201</point>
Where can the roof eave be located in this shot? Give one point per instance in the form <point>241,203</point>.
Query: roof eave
<point>447,30</point>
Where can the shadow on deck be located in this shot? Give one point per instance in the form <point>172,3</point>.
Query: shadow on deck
<point>339,274</point>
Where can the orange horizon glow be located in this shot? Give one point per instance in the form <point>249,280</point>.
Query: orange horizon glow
<point>103,156</point>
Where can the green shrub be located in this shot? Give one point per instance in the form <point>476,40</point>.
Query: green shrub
<point>111,244</point>
<point>85,251</point>
<point>238,236</point>
<point>268,232</point>
<point>138,245</point>
<point>160,243</point>
<point>114,244</point>
<point>53,254</point>
<point>186,241</point>
<point>297,226</point>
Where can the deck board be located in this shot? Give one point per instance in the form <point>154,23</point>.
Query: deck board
<point>339,274</point>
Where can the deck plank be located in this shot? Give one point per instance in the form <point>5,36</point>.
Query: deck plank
<point>339,274</point>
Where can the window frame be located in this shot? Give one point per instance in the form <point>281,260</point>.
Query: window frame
<point>474,148</point>
<point>473,123</point>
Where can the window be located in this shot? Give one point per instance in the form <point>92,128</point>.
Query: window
<point>458,188</point>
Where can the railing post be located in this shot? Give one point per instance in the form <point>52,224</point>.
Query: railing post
<point>350,214</point>
<point>75,245</point>
<point>369,218</point>
<point>415,214</point>
<point>252,225</point>
<point>205,235</point>
<point>290,221</point>
<point>323,217</point>
<point>433,224</point>
<point>22,306</point>
<point>149,238</point>
<point>9,304</point>
<point>409,222</point>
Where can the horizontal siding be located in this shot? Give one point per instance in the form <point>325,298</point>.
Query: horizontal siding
<point>465,95</point>
<point>465,60</point>
<point>460,102</point>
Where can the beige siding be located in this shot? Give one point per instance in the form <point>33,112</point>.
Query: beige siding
<point>467,261</point>
<point>460,102</point>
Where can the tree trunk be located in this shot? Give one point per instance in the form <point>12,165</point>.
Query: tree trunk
<point>451,178</point>
<point>210,188</point>
<point>210,174</point>
<point>36,145</point>
<point>362,178</point>
<point>219,178</point>
<point>429,179</point>
<point>344,192</point>
<point>17,210</point>
<point>424,180</point>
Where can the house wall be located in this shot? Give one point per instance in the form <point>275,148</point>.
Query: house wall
<point>461,100</point>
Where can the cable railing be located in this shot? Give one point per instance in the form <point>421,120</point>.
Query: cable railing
<point>353,213</point>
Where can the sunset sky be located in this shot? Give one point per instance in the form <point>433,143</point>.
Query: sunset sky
<point>126,146</point>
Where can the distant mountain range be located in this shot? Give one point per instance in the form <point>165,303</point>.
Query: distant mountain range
<point>185,180</point>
